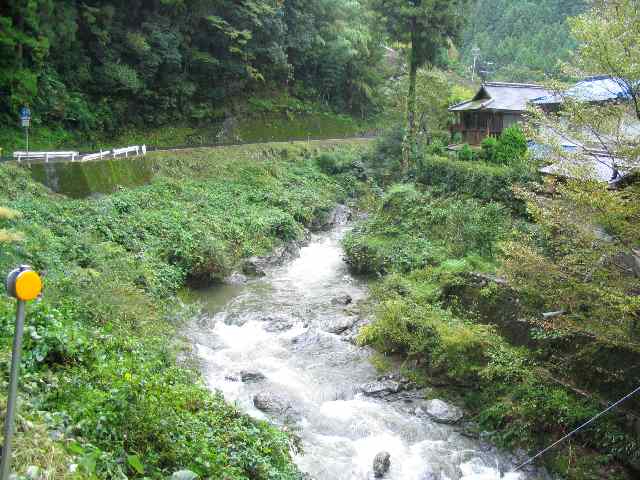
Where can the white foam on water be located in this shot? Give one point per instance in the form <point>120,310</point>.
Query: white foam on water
<point>242,338</point>
<point>476,469</point>
<point>340,409</point>
<point>317,265</point>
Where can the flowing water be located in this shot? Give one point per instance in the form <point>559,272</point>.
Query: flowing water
<point>277,326</point>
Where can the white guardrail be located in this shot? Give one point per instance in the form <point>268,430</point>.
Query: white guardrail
<point>46,156</point>
<point>75,156</point>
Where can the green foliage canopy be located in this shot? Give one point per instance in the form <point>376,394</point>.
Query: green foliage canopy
<point>524,39</point>
<point>99,65</point>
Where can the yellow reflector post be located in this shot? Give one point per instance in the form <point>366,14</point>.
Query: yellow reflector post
<point>28,285</point>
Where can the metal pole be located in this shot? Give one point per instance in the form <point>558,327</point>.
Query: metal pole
<point>27,130</point>
<point>13,392</point>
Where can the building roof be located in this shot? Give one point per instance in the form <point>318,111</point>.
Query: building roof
<point>503,97</point>
<point>593,89</point>
<point>599,167</point>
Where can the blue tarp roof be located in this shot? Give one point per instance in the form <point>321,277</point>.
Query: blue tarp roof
<point>593,89</point>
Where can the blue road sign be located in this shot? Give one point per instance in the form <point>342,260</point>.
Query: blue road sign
<point>25,113</point>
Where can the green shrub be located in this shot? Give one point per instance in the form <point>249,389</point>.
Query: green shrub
<point>478,179</point>
<point>489,150</point>
<point>411,230</point>
<point>436,147</point>
<point>512,146</point>
<point>510,149</point>
<point>384,160</point>
<point>410,321</point>
<point>333,163</point>
<point>466,154</point>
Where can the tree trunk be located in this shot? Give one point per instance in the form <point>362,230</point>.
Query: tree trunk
<point>411,100</point>
<point>19,23</point>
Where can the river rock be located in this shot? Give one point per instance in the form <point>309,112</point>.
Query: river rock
<point>381,464</point>
<point>257,266</point>
<point>470,429</point>
<point>340,325</point>
<point>351,334</point>
<point>381,388</point>
<point>283,253</point>
<point>442,412</point>
<point>247,376</point>
<point>254,266</point>
<point>276,405</point>
<point>184,475</point>
<point>309,338</point>
<point>344,299</point>
<point>236,278</point>
<point>338,216</point>
<point>277,324</point>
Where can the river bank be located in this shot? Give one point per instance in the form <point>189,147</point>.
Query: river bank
<point>102,381</point>
<point>442,306</point>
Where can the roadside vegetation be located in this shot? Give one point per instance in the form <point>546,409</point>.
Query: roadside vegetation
<point>103,392</point>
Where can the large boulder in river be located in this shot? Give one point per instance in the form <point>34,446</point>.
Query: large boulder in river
<point>275,405</point>
<point>442,412</point>
<point>340,325</point>
<point>381,388</point>
<point>344,299</point>
<point>247,376</point>
<point>381,464</point>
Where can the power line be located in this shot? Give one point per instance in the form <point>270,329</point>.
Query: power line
<point>589,422</point>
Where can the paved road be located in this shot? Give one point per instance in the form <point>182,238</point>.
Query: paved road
<point>316,142</point>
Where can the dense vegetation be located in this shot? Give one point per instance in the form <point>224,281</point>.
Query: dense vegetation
<point>441,245</point>
<point>519,293</point>
<point>523,40</point>
<point>99,67</point>
<point>100,366</point>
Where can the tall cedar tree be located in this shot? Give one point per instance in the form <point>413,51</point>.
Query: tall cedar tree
<point>426,26</point>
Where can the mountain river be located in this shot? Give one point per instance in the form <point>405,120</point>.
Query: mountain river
<point>272,336</point>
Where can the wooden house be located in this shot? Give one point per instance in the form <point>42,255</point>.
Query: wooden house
<point>495,107</point>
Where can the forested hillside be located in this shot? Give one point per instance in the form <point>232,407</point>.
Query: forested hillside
<point>97,66</point>
<point>523,39</point>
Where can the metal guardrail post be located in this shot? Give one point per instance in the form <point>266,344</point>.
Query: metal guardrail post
<point>24,285</point>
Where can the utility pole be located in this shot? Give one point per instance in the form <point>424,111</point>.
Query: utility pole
<point>475,51</point>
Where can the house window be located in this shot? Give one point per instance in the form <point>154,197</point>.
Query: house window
<point>476,120</point>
